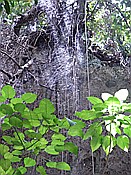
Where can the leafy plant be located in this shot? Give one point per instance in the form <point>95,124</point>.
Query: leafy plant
<point>111,122</point>
<point>27,133</point>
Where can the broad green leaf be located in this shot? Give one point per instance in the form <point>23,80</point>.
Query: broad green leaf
<point>6,109</point>
<point>16,100</point>
<point>51,150</point>
<point>29,162</point>
<point>94,100</point>
<point>99,107</point>
<point>10,171</point>
<point>2,172</point>
<point>2,99</point>
<point>79,123</point>
<point>15,159</point>
<point>75,131</point>
<point>8,155</point>
<point>51,164</point>
<point>15,122</point>
<point>105,96</point>
<point>41,170</point>
<point>59,148</point>
<point>94,129</point>
<point>123,142</point>
<point>8,139</point>
<point>58,136</point>
<point>17,147</point>
<point>86,115</point>
<point>20,107</point>
<point>122,94</point>
<point>5,164</point>
<point>35,123</point>
<point>46,107</point>
<point>64,123</point>
<point>108,143</point>
<point>95,142</point>
<point>30,115</point>
<point>3,149</point>
<point>29,97</point>
<point>16,152</point>
<point>112,101</point>
<point>26,124</point>
<point>22,169</point>
<point>5,126</point>
<point>57,142</point>
<point>71,147</point>
<point>63,166</point>
<point>43,129</point>
<point>8,92</point>
<point>127,131</point>
<point>32,134</point>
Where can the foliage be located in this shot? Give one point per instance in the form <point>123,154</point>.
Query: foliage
<point>111,124</point>
<point>27,133</point>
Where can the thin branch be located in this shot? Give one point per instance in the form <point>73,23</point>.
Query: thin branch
<point>5,53</point>
<point>6,73</point>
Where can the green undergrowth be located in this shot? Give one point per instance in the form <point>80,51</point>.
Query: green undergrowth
<point>28,133</point>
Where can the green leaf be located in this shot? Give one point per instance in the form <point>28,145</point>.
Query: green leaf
<point>32,134</point>
<point>3,149</point>
<point>5,164</point>
<point>75,131</point>
<point>108,143</point>
<point>10,171</point>
<point>2,99</point>
<point>16,100</point>
<point>122,94</point>
<point>123,142</point>
<point>8,92</point>
<point>94,100</point>
<point>29,97</point>
<point>94,129</point>
<point>51,164</point>
<point>8,155</point>
<point>46,107</point>
<point>15,122</point>
<point>5,126</point>
<point>35,123</point>
<point>127,131</point>
<point>15,159</point>
<point>95,142</point>
<point>29,162</point>
<point>71,147</point>
<point>99,107</point>
<point>2,172</point>
<point>7,6</point>
<point>86,115</point>
<point>63,166</point>
<point>22,169</point>
<point>20,107</point>
<point>8,139</point>
<point>6,109</point>
<point>43,129</point>
<point>41,170</point>
<point>112,101</point>
<point>16,152</point>
<point>51,150</point>
<point>58,136</point>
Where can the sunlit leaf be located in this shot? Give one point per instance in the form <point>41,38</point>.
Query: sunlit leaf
<point>29,97</point>
<point>123,142</point>
<point>94,100</point>
<point>8,92</point>
<point>29,162</point>
<point>41,170</point>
